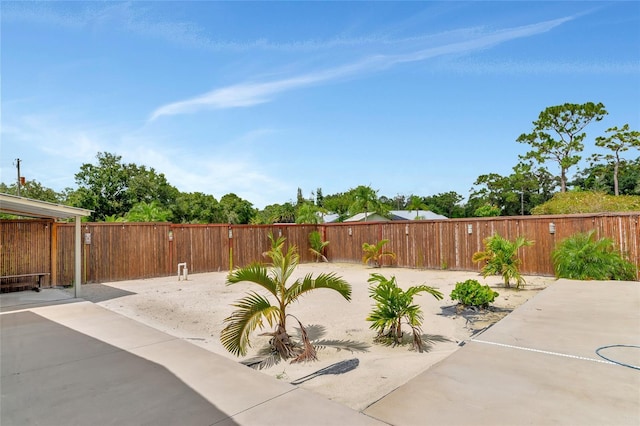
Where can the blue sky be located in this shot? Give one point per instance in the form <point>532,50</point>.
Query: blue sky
<point>260,98</point>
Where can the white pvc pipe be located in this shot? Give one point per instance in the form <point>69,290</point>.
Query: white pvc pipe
<point>182,265</point>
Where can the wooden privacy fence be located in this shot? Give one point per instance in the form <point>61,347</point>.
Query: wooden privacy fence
<point>122,251</point>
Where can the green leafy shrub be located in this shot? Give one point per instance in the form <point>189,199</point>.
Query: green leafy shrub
<point>582,257</point>
<point>587,202</point>
<point>501,258</point>
<point>472,293</point>
<point>393,306</point>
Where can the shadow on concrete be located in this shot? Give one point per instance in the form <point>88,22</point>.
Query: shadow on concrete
<point>52,374</point>
<point>99,292</point>
<point>19,300</point>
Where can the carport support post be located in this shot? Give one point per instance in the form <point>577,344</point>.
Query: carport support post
<point>78,260</point>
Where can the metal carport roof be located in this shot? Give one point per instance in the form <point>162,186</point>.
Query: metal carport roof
<point>21,206</point>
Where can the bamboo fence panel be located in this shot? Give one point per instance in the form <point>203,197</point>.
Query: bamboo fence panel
<point>204,248</point>
<point>25,248</point>
<point>115,251</point>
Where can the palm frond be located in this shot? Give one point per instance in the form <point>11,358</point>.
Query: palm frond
<point>582,257</point>
<point>266,358</point>
<point>324,280</point>
<point>254,273</point>
<point>309,352</point>
<point>251,310</point>
<point>500,257</point>
<point>411,291</point>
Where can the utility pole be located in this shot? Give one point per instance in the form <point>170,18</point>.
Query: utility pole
<point>18,167</point>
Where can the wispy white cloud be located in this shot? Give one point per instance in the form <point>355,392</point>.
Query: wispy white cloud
<point>66,147</point>
<point>249,94</point>
<point>138,18</point>
<point>213,171</point>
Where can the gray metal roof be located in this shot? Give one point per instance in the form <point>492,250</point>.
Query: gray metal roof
<point>21,206</point>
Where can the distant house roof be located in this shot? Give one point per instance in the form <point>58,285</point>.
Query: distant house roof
<point>396,215</point>
<point>370,217</point>
<point>330,217</point>
<point>393,215</point>
<point>422,215</point>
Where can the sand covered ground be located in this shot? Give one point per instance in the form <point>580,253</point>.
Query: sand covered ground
<point>194,310</point>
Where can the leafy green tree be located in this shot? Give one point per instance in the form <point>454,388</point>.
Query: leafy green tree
<point>487,210</point>
<point>299,198</point>
<point>270,214</point>
<point>393,306</point>
<point>583,257</point>
<point>599,178</point>
<point>619,141</point>
<point>446,203</point>
<point>254,308</point>
<point>558,135</point>
<point>286,214</point>
<point>319,197</point>
<point>513,195</point>
<point>113,188</point>
<point>196,207</point>
<point>365,200</point>
<point>308,213</point>
<point>34,190</point>
<point>148,212</point>
<point>236,210</point>
<point>338,203</point>
<point>500,257</point>
<point>275,213</point>
<point>375,253</point>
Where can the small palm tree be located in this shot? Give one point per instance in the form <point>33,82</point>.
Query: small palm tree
<point>582,257</point>
<point>374,252</point>
<point>393,306</point>
<point>416,203</point>
<point>501,258</point>
<point>317,246</point>
<point>254,308</point>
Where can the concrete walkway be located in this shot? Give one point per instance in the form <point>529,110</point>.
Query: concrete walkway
<point>537,366</point>
<point>81,364</point>
<point>71,362</point>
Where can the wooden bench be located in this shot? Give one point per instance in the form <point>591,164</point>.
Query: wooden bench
<point>38,275</point>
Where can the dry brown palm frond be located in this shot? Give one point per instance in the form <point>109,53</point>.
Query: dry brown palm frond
<point>309,352</point>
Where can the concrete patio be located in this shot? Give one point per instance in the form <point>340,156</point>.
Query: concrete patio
<point>67,361</point>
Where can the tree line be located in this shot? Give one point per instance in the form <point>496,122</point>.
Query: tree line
<point>118,191</point>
